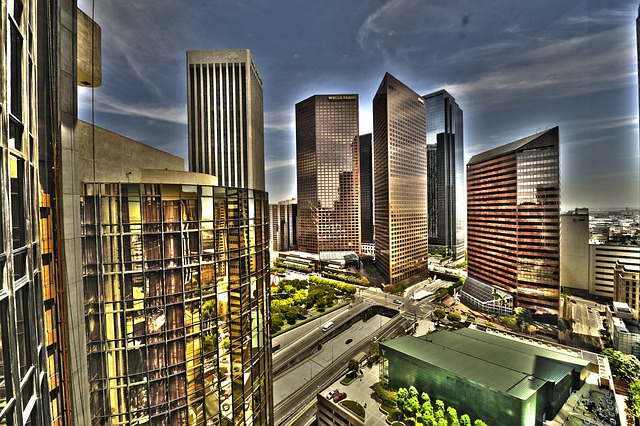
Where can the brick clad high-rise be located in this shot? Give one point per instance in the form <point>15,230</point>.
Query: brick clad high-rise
<point>513,219</point>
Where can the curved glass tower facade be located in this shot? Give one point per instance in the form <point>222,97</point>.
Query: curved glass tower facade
<point>176,301</point>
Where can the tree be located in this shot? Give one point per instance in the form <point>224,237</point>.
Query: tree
<point>633,402</point>
<point>412,408</point>
<point>523,317</point>
<point>627,367</point>
<point>402,397</point>
<point>353,365</point>
<point>453,416</point>
<point>439,313</point>
<point>413,392</point>
<point>374,353</point>
<point>479,422</point>
<point>465,420</point>
<point>439,410</point>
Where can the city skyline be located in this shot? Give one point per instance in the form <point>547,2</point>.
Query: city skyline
<point>513,72</point>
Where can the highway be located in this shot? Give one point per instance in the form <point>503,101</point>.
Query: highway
<point>300,369</point>
<point>295,389</point>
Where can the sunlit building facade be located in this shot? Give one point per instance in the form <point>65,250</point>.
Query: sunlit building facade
<point>513,217</point>
<point>176,283</point>
<point>282,223</point>
<point>447,194</point>
<point>225,117</point>
<point>37,385</point>
<point>328,176</point>
<point>400,175</point>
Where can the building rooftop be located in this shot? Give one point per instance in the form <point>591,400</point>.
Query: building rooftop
<point>505,149</point>
<point>511,366</point>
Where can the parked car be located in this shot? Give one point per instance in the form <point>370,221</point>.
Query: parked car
<point>339,396</point>
<point>332,393</point>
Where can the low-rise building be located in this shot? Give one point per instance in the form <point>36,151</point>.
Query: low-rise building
<point>626,283</point>
<point>498,379</point>
<point>334,414</point>
<point>623,328</point>
<point>602,264</point>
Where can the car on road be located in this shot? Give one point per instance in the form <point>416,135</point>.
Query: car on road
<point>339,396</point>
<point>397,301</point>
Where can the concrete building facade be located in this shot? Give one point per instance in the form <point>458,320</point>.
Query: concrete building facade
<point>282,223</point>
<point>513,219</point>
<point>623,328</point>
<point>574,250</point>
<point>400,181</point>
<point>225,117</point>
<point>602,266</point>
<point>327,172</point>
<point>626,283</point>
<point>447,200</point>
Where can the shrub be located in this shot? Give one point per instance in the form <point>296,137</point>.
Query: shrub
<point>439,313</point>
<point>453,317</point>
<point>386,396</point>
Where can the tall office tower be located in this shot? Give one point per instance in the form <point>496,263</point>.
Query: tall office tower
<point>400,170</point>
<point>432,192</point>
<point>513,196</point>
<point>176,284</point>
<point>225,117</point>
<point>447,217</point>
<point>282,223</point>
<point>366,188</point>
<point>328,178</point>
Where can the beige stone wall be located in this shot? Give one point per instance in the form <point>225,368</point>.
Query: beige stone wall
<point>89,56</point>
<point>109,157</point>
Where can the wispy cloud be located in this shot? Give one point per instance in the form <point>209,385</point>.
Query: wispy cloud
<point>111,105</point>
<point>553,68</point>
<point>272,166</point>
<point>279,121</point>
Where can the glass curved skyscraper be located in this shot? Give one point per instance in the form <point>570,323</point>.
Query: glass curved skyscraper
<point>176,299</point>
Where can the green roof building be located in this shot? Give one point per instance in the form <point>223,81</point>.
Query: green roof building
<point>500,380</point>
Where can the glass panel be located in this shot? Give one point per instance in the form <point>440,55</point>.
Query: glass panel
<point>18,225</point>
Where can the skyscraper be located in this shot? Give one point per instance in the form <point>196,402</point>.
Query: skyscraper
<point>176,282</point>
<point>400,170</point>
<point>327,152</point>
<point>225,117</point>
<point>282,223</point>
<point>366,188</point>
<point>513,214</point>
<point>447,193</point>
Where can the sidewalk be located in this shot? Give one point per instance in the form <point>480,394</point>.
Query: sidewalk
<point>359,390</point>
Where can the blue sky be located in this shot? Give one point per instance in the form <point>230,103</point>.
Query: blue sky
<point>514,67</point>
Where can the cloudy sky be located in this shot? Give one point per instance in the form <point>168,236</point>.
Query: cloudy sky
<point>514,68</point>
